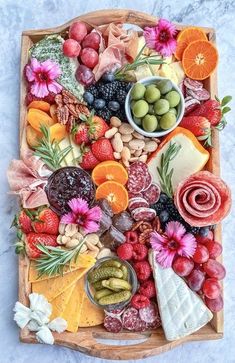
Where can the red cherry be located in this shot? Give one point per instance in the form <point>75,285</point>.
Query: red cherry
<point>183,266</point>
<point>201,254</point>
<point>211,288</point>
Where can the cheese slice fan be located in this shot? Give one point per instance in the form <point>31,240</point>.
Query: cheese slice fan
<point>182,311</point>
<point>60,302</point>
<point>91,315</point>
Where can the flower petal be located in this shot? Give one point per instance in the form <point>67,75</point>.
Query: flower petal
<point>39,89</point>
<point>68,218</point>
<point>51,68</point>
<point>78,206</point>
<point>166,25</point>
<point>188,245</point>
<point>165,258</point>
<point>94,214</point>
<point>54,87</point>
<point>44,335</point>
<point>157,241</point>
<point>90,226</point>
<point>58,324</point>
<point>175,230</point>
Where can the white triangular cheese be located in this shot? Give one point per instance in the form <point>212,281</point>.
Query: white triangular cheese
<point>182,311</point>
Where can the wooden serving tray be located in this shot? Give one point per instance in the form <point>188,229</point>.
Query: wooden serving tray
<point>85,340</point>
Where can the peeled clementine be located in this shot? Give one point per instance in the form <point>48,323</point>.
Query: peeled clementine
<point>109,170</point>
<point>115,193</point>
<point>200,59</point>
<point>185,37</point>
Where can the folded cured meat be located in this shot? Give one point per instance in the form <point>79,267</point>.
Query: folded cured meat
<point>203,199</point>
<point>27,178</point>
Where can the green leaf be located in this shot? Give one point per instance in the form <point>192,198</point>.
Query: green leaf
<point>217,99</point>
<point>226,110</point>
<point>226,100</point>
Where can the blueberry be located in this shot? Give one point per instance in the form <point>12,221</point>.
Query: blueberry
<point>113,106</point>
<point>108,77</point>
<point>164,216</point>
<point>163,198</point>
<point>204,231</point>
<point>99,103</point>
<point>88,97</point>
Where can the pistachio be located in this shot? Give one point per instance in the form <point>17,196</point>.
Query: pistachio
<point>71,229</point>
<point>111,132</point>
<point>126,137</point>
<point>92,238</point>
<point>115,121</point>
<point>137,144</point>
<point>125,128</point>
<point>116,155</point>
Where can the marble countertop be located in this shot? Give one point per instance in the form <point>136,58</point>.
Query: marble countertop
<point>17,16</point>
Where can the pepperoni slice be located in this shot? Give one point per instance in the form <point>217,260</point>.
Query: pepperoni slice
<point>138,177</point>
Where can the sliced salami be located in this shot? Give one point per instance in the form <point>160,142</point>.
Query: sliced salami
<point>152,194</point>
<point>148,181</point>
<point>143,214</point>
<point>135,195</point>
<point>192,84</point>
<point>117,313</point>
<point>140,325</point>
<point>137,175</point>
<point>113,325</point>
<point>149,314</point>
<point>137,203</point>
<point>190,105</point>
<point>182,88</point>
<point>129,318</point>
<point>155,324</point>
<point>200,95</point>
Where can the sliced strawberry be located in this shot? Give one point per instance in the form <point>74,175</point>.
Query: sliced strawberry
<point>34,239</point>
<point>199,126</point>
<point>46,222</point>
<point>102,149</point>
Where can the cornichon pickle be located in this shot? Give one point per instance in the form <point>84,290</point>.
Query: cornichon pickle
<point>111,263</point>
<point>118,284</point>
<point>125,272</point>
<point>105,283</point>
<point>98,285</point>
<point>115,298</point>
<point>101,293</point>
<point>104,273</point>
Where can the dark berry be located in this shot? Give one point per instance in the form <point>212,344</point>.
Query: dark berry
<point>121,96</point>
<point>107,90</point>
<point>204,231</point>
<point>93,90</point>
<point>163,198</point>
<point>113,106</point>
<point>99,104</point>
<point>164,216</point>
<point>108,77</point>
<point>88,97</point>
<point>105,113</point>
<point>121,114</point>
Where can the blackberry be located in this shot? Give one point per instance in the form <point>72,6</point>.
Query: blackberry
<point>193,230</point>
<point>121,96</point>
<point>104,113</point>
<point>93,90</point>
<point>124,85</point>
<point>107,91</point>
<point>121,114</point>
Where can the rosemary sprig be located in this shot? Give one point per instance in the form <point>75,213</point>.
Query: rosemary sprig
<point>138,61</point>
<point>54,259</point>
<point>49,151</point>
<point>164,172</point>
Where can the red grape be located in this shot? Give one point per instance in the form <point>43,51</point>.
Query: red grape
<point>203,239</point>
<point>215,305</point>
<point>195,280</point>
<point>84,75</point>
<point>201,254</point>
<point>92,40</point>
<point>78,31</point>
<point>89,57</point>
<point>211,288</point>
<point>183,266</point>
<point>71,48</point>
<point>214,248</point>
<point>214,269</point>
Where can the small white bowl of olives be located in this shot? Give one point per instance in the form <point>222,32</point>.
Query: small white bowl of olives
<point>154,106</point>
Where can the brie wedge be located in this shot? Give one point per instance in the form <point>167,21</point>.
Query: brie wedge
<point>182,311</point>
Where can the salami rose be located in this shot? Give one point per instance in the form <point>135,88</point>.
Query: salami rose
<point>203,199</point>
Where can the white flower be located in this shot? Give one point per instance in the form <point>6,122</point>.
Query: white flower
<point>39,303</point>
<point>58,324</point>
<point>40,317</point>
<point>22,314</point>
<point>44,335</point>
<point>33,325</point>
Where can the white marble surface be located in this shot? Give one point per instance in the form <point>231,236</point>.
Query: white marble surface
<point>17,15</point>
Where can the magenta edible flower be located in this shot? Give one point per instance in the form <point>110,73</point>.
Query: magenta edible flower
<point>175,241</point>
<point>42,77</point>
<point>86,218</point>
<point>161,37</point>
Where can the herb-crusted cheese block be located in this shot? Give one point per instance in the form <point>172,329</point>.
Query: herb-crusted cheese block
<point>50,47</point>
<point>182,311</point>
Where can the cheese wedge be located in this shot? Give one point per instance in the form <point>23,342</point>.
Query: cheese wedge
<point>83,261</point>
<point>53,287</point>
<point>182,311</point>
<point>73,309</point>
<point>191,158</point>
<point>60,302</point>
<point>91,315</point>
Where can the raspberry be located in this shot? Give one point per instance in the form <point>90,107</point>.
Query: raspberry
<point>132,237</point>
<point>140,251</point>
<point>148,289</point>
<point>139,301</point>
<point>143,270</point>
<point>125,251</point>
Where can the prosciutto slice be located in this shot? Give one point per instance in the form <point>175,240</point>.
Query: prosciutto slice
<point>27,178</point>
<point>203,199</point>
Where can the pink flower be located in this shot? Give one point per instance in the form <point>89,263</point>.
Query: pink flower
<point>174,241</point>
<point>161,37</point>
<point>42,76</point>
<point>87,219</point>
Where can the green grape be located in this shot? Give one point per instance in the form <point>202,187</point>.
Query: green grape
<point>152,94</point>
<point>164,86</point>
<point>173,98</point>
<point>140,108</point>
<point>161,106</point>
<point>149,123</point>
<point>167,120</point>
<point>138,91</point>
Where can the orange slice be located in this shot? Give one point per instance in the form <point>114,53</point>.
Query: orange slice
<point>185,37</point>
<point>109,170</point>
<point>200,59</point>
<point>115,193</point>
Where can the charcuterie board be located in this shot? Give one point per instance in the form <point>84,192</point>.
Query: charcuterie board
<point>85,339</point>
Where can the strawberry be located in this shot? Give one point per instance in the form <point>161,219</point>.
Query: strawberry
<point>47,221</point>
<point>33,239</point>
<point>97,128</point>
<point>214,111</point>
<point>199,126</point>
<point>89,160</point>
<point>102,149</point>
<point>81,134</point>
<point>24,222</point>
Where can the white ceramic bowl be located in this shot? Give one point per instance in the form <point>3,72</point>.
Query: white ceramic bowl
<point>181,107</point>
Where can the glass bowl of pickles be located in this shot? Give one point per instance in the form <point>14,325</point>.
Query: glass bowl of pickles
<point>111,283</point>
<point>154,106</point>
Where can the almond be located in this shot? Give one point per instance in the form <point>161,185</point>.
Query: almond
<point>117,143</point>
<point>111,132</point>
<point>137,152</point>
<point>150,146</point>
<point>92,238</point>
<point>133,159</point>
<point>143,158</point>
<point>138,136</point>
<point>116,155</point>
<point>115,121</point>
<point>125,154</point>
<point>126,137</point>
<point>125,129</point>
<point>137,144</point>
<point>72,243</point>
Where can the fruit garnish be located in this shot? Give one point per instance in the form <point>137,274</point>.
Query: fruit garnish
<point>40,105</point>
<point>140,252</point>
<point>109,170</point>
<point>78,31</point>
<point>132,237</point>
<point>185,37</point>
<point>49,151</point>
<point>102,149</point>
<point>214,248</point>
<point>215,305</point>
<point>46,221</point>
<point>195,280</point>
<point>125,251</point>
<point>115,193</point>
<point>148,289</point>
<point>84,75</point>
<point>143,270</point>
<point>89,57</point>
<point>89,161</point>
<point>211,288</point>
<point>201,254</point>
<point>96,126</point>
<point>214,269</point>
<point>199,126</point>
<point>71,48</point>
<point>183,266</point>
<point>92,40</point>
<point>200,59</point>
<point>29,243</point>
<point>139,301</point>
<point>81,134</point>
<point>23,221</point>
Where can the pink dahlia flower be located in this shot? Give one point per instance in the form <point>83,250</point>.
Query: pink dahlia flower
<point>175,241</point>
<point>42,76</point>
<point>87,219</point>
<point>161,37</point>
